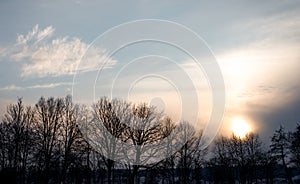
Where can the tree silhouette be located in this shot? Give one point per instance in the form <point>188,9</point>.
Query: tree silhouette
<point>70,138</point>
<point>16,139</point>
<point>114,141</point>
<point>167,165</point>
<point>280,148</point>
<point>144,129</point>
<point>110,117</point>
<point>186,153</point>
<point>48,120</point>
<point>245,155</point>
<point>295,147</point>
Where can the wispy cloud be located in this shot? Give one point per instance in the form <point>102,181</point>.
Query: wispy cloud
<point>2,52</point>
<point>42,55</point>
<point>38,86</point>
<point>284,25</point>
<point>36,35</point>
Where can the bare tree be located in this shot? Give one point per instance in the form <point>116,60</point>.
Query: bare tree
<point>48,118</point>
<point>107,129</point>
<point>246,154</point>
<point>186,154</point>
<point>280,149</point>
<point>16,138</point>
<point>168,164</point>
<point>199,158</point>
<point>144,129</point>
<point>222,155</point>
<point>70,137</point>
<point>254,156</point>
<point>221,163</point>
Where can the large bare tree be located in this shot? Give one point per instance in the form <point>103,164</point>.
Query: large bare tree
<point>48,119</point>
<point>70,137</point>
<point>105,130</point>
<point>144,130</point>
<point>17,138</point>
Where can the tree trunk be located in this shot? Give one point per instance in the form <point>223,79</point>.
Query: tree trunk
<point>133,174</point>
<point>110,166</point>
<point>287,172</point>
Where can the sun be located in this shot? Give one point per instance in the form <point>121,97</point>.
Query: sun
<point>240,127</point>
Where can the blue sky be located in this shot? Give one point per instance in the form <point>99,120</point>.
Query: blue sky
<point>256,44</point>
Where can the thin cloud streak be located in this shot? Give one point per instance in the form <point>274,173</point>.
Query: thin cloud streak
<point>38,86</point>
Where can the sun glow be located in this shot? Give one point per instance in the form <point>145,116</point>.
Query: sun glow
<point>240,127</point>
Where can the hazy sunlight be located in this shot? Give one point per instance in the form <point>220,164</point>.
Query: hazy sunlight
<point>240,127</point>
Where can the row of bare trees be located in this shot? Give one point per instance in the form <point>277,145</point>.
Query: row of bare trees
<point>114,141</point>
<point>246,160</point>
<point>41,139</point>
<point>56,140</point>
<point>137,137</point>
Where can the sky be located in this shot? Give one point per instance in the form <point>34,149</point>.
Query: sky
<point>55,48</point>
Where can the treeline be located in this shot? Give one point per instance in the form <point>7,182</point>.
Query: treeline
<point>247,160</point>
<point>57,141</point>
